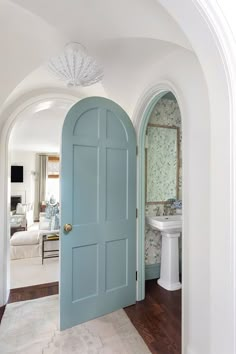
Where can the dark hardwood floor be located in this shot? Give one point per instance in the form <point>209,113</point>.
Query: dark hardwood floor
<point>33,292</point>
<point>157,318</point>
<point>2,309</point>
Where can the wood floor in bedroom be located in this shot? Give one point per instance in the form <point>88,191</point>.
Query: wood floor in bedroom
<point>157,318</point>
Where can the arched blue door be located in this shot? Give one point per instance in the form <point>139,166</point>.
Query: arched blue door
<point>98,199</point>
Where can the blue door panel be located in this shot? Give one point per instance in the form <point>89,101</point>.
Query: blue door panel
<point>98,198</point>
<point>116,174</point>
<point>116,264</point>
<point>84,257</point>
<point>85,185</point>
<point>88,124</point>
<point>115,129</point>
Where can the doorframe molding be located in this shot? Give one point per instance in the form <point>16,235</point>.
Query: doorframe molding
<point>140,120</point>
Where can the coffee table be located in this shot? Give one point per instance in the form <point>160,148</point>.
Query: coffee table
<point>50,253</point>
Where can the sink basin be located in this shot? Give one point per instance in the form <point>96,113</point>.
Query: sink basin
<point>169,223</point>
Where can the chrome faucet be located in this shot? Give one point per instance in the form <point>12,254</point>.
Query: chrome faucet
<point>166,210</point>
<point>157,210</point>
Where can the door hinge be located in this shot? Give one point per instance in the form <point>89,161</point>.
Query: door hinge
<point>136,275</point>
<point>137,150</point>
<point>136,213</point>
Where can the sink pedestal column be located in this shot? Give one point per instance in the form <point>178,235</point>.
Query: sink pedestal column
<point>169,278</point>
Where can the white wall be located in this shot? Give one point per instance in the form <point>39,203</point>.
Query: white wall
<point>206,28</point>
<point>182,69</point>
<point>22,44</point>
<point>208,174</point>
<point>179,70</point>
<point>27,188</point>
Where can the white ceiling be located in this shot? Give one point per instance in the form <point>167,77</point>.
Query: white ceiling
<point>38,128</point>
<point>125,61</point>
<point>32,31</point>
<point>130,38</point>
<point>93,21</point>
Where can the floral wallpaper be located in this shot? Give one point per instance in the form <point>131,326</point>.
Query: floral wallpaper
<point>161,164</point>
<point>152,245</point>
<point>166,112</point>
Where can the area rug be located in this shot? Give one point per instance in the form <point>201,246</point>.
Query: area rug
<point>31,327</point>
<point>31,271</point>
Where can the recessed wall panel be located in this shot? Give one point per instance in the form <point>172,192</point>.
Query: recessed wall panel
<point>85,185</point>
<point>116,264</point>
<point>116,184</point>
<point>85,272</point>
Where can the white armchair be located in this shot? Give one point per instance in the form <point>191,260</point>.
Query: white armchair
<point>23,216</point>
<point>17,220</point>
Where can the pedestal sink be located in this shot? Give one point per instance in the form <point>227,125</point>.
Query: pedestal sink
<point>170,227</point>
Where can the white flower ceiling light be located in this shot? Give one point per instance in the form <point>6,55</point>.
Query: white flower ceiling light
<point>76,67</point>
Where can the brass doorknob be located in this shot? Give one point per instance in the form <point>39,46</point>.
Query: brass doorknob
<point>67,227</point>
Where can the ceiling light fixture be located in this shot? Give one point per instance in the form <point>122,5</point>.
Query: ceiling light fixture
<point>76,67</point>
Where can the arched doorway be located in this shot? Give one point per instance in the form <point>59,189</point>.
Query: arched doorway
<point>155,95</point>
<point>13,114</point>
<point>202,22</point>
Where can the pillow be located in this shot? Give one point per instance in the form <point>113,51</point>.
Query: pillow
<point>51,210</point>
<point>20,208</point>
<point>54,222</point>
<point>29,206</point>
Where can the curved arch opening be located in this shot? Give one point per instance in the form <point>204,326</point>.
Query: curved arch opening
<point>142,116</point>
<point>18,113</point>
<point>205,22</point>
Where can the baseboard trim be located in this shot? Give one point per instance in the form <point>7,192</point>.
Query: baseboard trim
<point>152,271</point>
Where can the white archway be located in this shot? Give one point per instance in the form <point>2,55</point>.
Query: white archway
<point>13,112</point>
<point>214,45</point>
<point>141,116</point>
<point>140,119</point>
<point>210,36</point>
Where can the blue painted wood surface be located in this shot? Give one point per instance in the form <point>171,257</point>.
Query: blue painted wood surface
<point>98,198</point>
